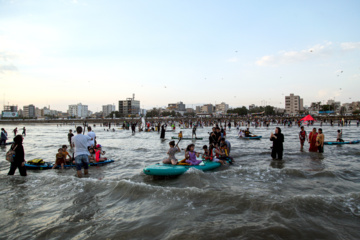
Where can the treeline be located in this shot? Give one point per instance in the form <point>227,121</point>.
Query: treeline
<point>156,113</point>
<point>268,110</point>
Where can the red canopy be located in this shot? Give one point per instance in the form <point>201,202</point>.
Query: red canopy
<point>308,118</point>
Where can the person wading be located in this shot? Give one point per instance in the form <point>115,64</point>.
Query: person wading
<point>277,139</point>
<point>81,152</point>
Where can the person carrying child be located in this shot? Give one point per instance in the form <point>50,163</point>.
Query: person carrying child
<point>60,159</point>
<point>172,151</point>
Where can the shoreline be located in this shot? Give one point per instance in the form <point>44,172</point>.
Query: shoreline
<point>176,119</point>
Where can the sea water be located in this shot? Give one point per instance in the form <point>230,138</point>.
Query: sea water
<point>305,196</point>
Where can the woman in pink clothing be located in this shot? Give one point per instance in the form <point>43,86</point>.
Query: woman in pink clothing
<point>191,155</point>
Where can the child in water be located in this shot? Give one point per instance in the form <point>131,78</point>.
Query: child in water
<point>180,135</point>
<point>92,155</point>
<point>98,153</point>
<point>60,159</point>
<point>208,154</point>
<point>172,151</point>
<point>190,155</point>
<point>66,154</point>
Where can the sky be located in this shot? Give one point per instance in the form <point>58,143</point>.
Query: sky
<point>64,52</point>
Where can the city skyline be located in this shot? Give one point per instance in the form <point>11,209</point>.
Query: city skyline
<point>60,53</point>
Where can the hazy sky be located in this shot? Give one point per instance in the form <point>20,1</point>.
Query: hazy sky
<point>62,52</point>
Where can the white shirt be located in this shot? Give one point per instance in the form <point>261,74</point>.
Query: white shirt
<point>91,135</point>
<point>81,144</point>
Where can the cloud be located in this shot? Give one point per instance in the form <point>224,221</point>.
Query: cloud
<point>6,62</point>
<point>350,45</point>
<point>234,59</point>
<point>287,57</point>
<point>10,68</point>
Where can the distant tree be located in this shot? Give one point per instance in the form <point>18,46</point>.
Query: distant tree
<point>342,110</point>
<point>325,107</point>
<point>189,114</point>
<point>166,114</point>
<point>153,113</point>
<point>240,111</point>
<point>269,110</point>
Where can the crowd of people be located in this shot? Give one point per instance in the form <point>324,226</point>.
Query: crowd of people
<point>86,149</point>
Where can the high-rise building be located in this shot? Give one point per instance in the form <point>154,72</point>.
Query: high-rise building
<point>293,104</point>
<point>207,108</point>
<point>107,109</point>
<point>180,106</point>
<point>10,111</point>
<point>222,108</point>
<point>198,109</point>
<point>38,112</point>
<point>29,111</point>
<point>9,108</point>
<point>78,110</point>
<point>130,106</point>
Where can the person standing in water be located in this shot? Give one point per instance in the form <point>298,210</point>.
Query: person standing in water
<point>277,149</point>
<point>162,135</point>
<point>70,135</point>
<point>3,137</point>
<point>194,132</point>
<point>19,159</point>
<point>15,131</point>
<point>24,132</point>
<point>92,135</point>
<point>302,136</point>
<point>81,152</point>
<point>312,141</point>
<point>320,141</point>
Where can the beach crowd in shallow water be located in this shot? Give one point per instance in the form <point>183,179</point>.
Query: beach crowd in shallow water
<point>86,150</point>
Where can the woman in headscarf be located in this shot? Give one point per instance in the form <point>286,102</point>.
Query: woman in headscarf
<point>19,158</point>
<point>312,141</point>
<point>277,149</point>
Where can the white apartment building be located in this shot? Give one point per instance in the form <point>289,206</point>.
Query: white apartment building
<point>107,109</point>
<point>78,110</point>
<point>29,111</point>
<point>222,108</point>
<point>293,104</point>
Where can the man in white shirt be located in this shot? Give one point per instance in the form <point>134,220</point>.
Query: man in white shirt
<point>81,152</point>
<point>91,134</point>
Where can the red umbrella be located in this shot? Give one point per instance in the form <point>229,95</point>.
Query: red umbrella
<point>308,118</point>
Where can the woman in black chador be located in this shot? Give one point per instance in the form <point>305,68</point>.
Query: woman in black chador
<point>162,135</point>
<point>277,149</point>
